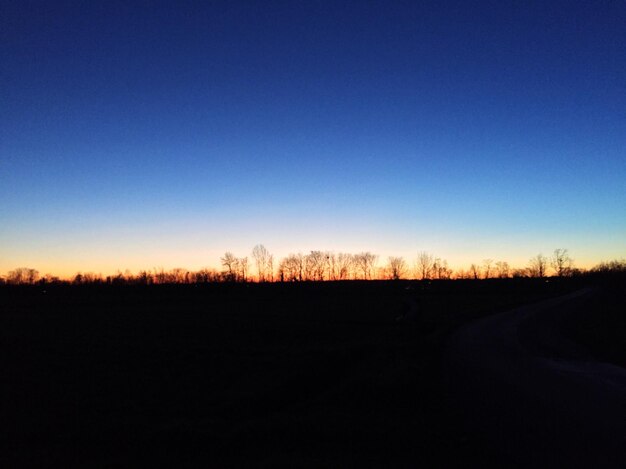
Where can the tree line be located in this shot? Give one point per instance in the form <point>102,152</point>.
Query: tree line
<point>318,266</point>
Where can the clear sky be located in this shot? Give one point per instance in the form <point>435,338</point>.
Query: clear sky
<point>166,133</point>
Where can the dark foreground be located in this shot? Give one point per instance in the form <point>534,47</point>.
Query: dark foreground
<point>532,395</point>
<point>298,375</point>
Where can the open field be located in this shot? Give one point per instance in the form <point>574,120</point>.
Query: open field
<point>602,333</point>
<point>306,375</point>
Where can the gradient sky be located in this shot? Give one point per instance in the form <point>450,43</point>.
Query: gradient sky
<point>165,133</point>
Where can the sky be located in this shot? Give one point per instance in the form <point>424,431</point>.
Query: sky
<point>151,134</point>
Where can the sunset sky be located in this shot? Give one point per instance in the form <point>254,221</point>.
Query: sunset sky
<point>165,133</point>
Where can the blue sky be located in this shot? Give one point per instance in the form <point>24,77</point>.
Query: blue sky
<point>165,133</point>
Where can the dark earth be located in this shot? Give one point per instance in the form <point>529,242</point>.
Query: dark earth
<point>334,374</point>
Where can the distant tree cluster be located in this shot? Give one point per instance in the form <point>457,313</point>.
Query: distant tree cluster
<point>611,267</point>
<point>235,268</point>
<point>320,266</point>
<point>22,276</point>
<point>324,265</point>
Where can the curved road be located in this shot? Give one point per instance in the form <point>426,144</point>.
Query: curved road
<point>528,397</point>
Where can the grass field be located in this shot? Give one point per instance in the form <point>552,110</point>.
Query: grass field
<point>304,375</point>
<point>599,324</point>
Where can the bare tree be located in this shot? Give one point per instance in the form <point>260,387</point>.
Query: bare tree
<point>474,271</point>
<point>282,270</point>
<point>264,262</point>
<point>440,269</point>
<point>230,266</point>
<point>519,273</point>
<point>144,277</point>
<point>424,265</point>
<point>294,267</point>
<point>435,270</point>
<point>316,265</point>
<point>289,268</point>
<point>365,262</point>
<point>207,275</point>
<point>502,269</point>
<point>333,270</point>
<point>461,274</point>
<point>561,263</point>
<point>50,279</point>
<point>487,269</point>
<point>300,263</point>
<point>158,276</point>
<point>269,273</point>
<point>617,266</point>
<point>242,269</point>
<point>345,264</point>
<point>22,275</point>
<point>396,268</point>
<point>537,266</point>
<point>179,275</point>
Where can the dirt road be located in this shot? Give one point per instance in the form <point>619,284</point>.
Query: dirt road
<point>528,397</point>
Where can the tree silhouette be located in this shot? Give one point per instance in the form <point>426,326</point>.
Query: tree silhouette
<point>537,266</point>
<point>365,262</point>
<point>22,276</point>
<point>502,269</point>
<point>424,265</point>
<point>396,268</point>
<point>440,269</point>
<point>316,265</point>
<point>230,267</point>
<point>291,268</point>
<point>561,263</point>
<point>487,271</point>
<point>264,263</point>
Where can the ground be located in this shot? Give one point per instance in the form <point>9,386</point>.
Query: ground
<point>296,375</point>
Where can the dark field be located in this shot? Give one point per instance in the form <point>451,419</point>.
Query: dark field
<point>599,325</point>
<point>304,375</point>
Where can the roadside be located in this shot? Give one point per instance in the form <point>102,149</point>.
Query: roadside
<point>598,325</point>
<point>529,397</point>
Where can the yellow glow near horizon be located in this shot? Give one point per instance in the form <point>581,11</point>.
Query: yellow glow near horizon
<point>111,266</point>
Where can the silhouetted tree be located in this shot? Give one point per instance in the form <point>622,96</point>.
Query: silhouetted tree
<point>230,267</point>
<point>502,269</point>
<point>206,276</point>
<point>264,263</point>
<point>424,265</point>
<point>288,269</point>
<point>365,262</point>
<point>316,265</point>
<point>242,269</point>
<point>179,275</point>
<point>159,277</point>
<point>50,279</point>
<point>610,266</point>
<point>293,267</point>
<point>461,274</point>
<point>440,269</point>
<point>345,264</point>
<point>396,268</point>
<point>87,278</point>
<point>487,272</point>
<point>519,273</point>
<point>22,275</point>
<point>537,266</point>
<point>331,265</point>
<point>144,278</point>
<point>474,271</point>
<point>561,263</point>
